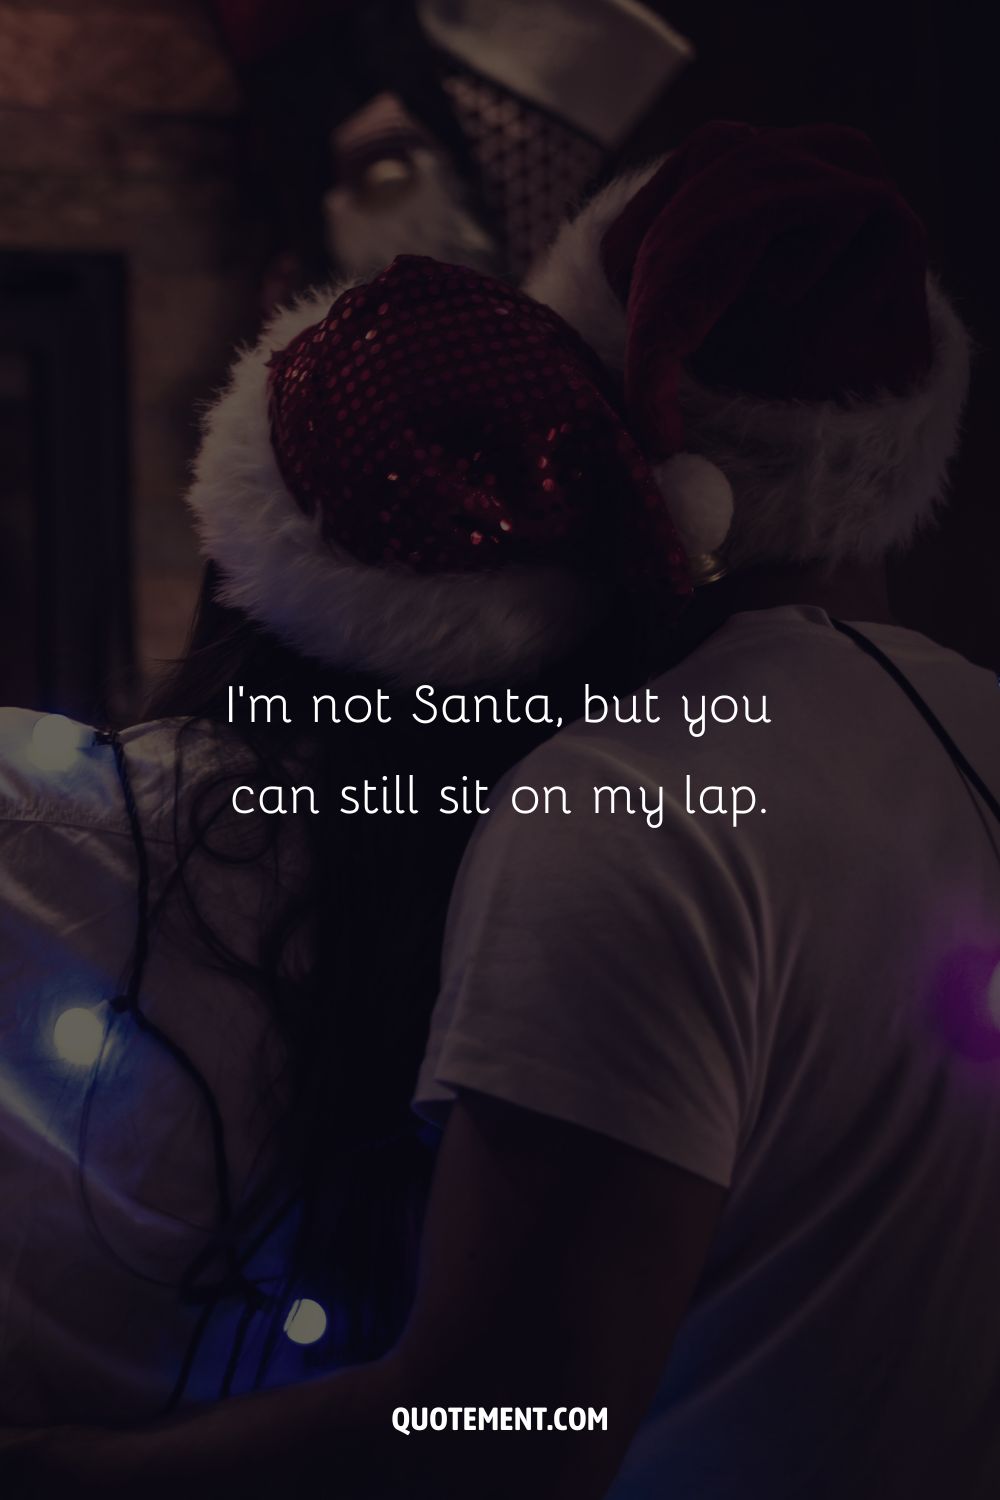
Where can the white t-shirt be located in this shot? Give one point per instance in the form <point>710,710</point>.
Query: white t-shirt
<point>92,1326</point>
<point>798,1008</point>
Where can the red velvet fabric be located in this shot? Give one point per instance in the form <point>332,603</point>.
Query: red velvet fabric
<point>777,262</point>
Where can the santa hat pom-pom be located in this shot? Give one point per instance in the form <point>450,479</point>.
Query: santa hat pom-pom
<point>699,498</point>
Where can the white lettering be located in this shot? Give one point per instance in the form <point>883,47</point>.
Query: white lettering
<point>358,708</point>
<point>723,709</point>
<point>712,801</point>
<point>638,708</point>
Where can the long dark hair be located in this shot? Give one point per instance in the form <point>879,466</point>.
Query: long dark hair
<point>370,907</point>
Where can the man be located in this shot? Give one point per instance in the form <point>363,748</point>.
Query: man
<point>721,1080</point>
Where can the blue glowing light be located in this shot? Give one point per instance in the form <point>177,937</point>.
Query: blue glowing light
<point>306,1322</point>
<point>78,1036</point>
<point>55,742</point>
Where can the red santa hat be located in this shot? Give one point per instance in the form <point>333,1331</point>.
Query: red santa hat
<point>427,478</point>
<point>789,366</point>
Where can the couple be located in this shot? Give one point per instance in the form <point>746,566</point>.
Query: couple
<point>719,1107</point>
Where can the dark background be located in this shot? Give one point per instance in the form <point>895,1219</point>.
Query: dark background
<point>919,78</point>
<point>162,169</point>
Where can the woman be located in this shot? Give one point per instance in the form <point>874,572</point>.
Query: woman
<point>212,1012</point>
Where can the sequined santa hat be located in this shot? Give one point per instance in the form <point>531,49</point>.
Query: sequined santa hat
<point>427,478</point>
<point>790,367</point>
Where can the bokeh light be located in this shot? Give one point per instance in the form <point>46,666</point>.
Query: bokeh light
<point>306,1322</point>
<point>55,742</point>
<point>78,1036</point>
<point>993,997</point>
<point>966,1002</point>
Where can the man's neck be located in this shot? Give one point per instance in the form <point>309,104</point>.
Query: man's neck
<point>852,591</point>
<point>849,592</point>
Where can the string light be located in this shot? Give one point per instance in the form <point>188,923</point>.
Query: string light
<point>78,1036</point>
<point>306,1322</point>
<point>55,742</point>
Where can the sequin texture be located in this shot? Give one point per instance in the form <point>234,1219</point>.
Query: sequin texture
<point>440,420</point>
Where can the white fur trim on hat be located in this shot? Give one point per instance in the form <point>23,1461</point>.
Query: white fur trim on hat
<point>811,481</point>
<point>407,628</point>
<point>699,498</point>
<point>569,276</point>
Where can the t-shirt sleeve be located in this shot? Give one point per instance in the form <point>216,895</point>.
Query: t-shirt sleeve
<point>600,970</point>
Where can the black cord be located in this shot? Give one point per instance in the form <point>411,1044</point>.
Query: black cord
<point>190,1355</point>
<point>127,1002</point>
<point>243,1328</point>
<point>140,952</point>
<point>930,718</point>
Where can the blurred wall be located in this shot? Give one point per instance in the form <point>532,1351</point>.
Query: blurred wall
<point>118,132</point>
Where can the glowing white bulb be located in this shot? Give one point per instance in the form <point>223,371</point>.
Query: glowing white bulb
<point>55,742</point>
<point>993,997</point>
<point>78,1036</point>
<point>306,1322</point>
